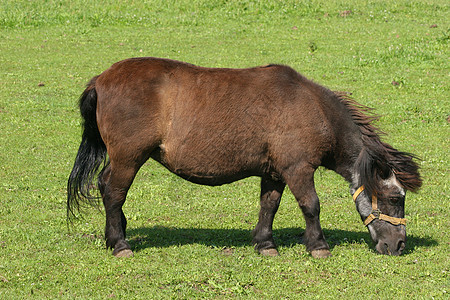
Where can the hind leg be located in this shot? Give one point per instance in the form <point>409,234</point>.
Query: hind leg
<point>102,180</point>
<point>301,184</point>
<point>271,192</point>
<point>114,183</point>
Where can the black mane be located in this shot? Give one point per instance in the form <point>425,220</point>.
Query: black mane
<point>378,159</point>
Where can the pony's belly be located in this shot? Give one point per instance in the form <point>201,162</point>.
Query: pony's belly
<point>205,167</point>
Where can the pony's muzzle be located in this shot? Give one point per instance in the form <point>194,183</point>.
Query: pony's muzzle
<point>392,246</point>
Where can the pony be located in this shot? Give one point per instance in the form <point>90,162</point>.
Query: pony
<point>213,126</point>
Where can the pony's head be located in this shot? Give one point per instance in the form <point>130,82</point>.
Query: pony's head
<point>379,189</point>
<point>381,177</point>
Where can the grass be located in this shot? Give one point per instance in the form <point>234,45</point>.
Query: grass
<point>194,241</point>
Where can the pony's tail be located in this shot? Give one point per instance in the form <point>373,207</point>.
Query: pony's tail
<point>91,155</point>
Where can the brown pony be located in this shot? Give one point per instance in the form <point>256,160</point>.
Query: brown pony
<point>215,126</point>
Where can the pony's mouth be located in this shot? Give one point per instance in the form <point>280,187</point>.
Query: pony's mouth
<point>394,249</point>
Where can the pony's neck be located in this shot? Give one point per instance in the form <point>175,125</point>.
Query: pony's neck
<point>348,168</point>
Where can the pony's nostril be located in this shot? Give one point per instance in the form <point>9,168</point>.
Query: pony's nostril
<point>401,246</point>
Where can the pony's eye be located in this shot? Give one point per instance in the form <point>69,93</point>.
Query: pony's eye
<point>394,200</point>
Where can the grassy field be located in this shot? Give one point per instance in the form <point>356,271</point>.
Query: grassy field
<point>194,241</point>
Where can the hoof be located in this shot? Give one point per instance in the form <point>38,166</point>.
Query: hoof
<point>269,252</point>
<point>322,253</point>
<point>124,253</point>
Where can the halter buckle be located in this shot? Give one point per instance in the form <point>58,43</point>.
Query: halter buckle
<point>376,213</point>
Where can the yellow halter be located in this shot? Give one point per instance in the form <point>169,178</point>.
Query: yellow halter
<point>376,213</point>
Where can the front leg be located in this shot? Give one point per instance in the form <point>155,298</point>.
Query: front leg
<point>314,238</point>
<point>302,187</point>
<point>271,192</point>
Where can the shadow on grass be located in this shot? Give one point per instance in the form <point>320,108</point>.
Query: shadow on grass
<point>160,237</point>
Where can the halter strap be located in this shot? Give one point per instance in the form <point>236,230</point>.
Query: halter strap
<point>376,213</point>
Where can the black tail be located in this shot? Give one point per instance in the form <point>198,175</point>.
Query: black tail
<point>91,155</point>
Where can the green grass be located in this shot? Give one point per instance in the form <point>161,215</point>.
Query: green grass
<point>194,241</point>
